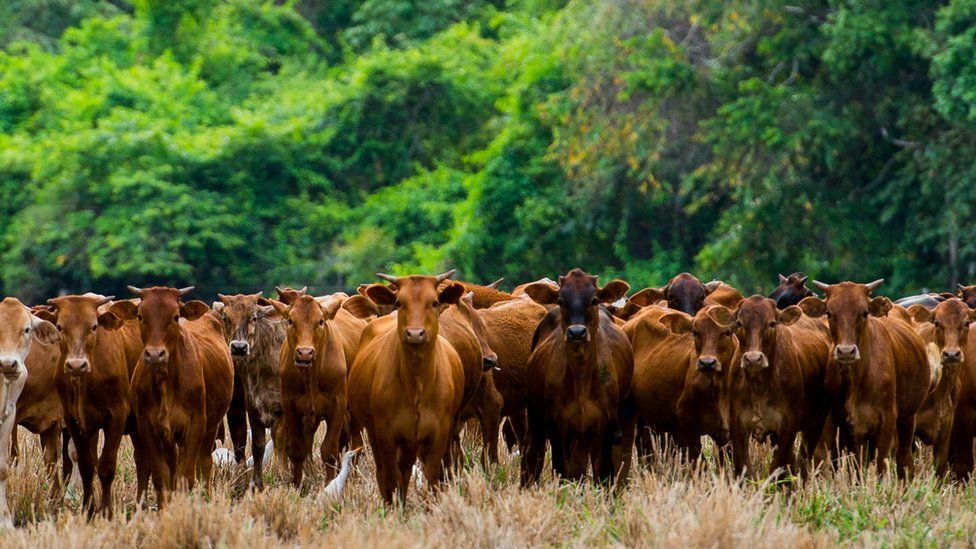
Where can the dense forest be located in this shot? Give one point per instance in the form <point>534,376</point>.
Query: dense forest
<point>236,144</point>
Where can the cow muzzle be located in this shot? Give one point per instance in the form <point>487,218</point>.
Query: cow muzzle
<point>415,336</point>
<point>155,355</point>
<point>577,333</point>
<point>754,360</point>
<point>304,357</point>
<point>846,354</point>
<point>77,366</point>
<point>709,365</point>
<point>952,356</point>
<point>10,367</point>
<point>239,348</point>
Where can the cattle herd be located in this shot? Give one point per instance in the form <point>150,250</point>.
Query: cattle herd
<point>568,366</point>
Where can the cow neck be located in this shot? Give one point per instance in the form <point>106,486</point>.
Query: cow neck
<point>416,365</point>
<point>852,375</point>
<point>585,370</point>
<point>166,384</point>
<point>310,376</point>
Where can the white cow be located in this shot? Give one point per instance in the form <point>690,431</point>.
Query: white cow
<point>18,327</point>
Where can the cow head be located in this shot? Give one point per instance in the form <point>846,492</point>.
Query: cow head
<point>159,312</point>
<point>791,290</point>
<point>288,295</point>
<point>756,321</point>
<point>418,303</point>
<point>18,328</point>
<point>239,315</point>
<point>847,307</point>
<point>683,293</point>
<point>711,327</point>
<point>78,319</point>
<point>307,318</point>
<point>950,327</point>
<point>968,295</point>
<point>579,298</point>
<point>473,316</point>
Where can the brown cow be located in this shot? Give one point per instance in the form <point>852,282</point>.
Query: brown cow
<point>180,390</point>
<point>312,368</point>
<point>878,374</point>
<point>687,294</point>
<point>777,388</point>
<point>254,338</point>
<point>92,380</point>
<point>967,294</point>
<point>289,295</point>
<point>681,374</point>
<point>406,385</point>
<point>945,332</point>
<point>791,290</point>
<point>579,377</point>
<point>18,329</point>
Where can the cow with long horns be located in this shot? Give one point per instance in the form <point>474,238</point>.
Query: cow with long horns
<point>180,390</point>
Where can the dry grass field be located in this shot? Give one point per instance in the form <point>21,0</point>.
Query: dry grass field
<point>665,504</point>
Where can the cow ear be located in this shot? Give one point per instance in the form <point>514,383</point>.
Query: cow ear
<point>712,286</point>
<point>46,314</point>
<point>647,296</point>
<point>44,331</point>
<point>789,315</point>
<point>110,321</point>
<point>614,290</point>
<point>380,294</point>
<point>331,308</point>
<point>217,306</point>
<point>920,314</point>
<point>360,306</point>
<point>280,310</point>
<point>813,306</point>
<point>192,310</point>
<point>126,310</point>
<point>879,306</point>
<point>542,293</point>
<point>264,302</point>
<point>677,322</point>
<point>451,294</point>
<point>972,314</point>
<point>264,311</point>
<point>721,315</point>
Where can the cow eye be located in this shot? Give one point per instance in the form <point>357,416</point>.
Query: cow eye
<point>321,322</point>
<point>58,326</point>
<point>176,318</point>
<point>864,314</point>
<point>27,329</point>
<point>937,324</point>
<point>396,303</point>
<point>435,303</point>
<point>95,327</point>
<point>772,324</point>
<point>728,332</point>
<point>594,301</point>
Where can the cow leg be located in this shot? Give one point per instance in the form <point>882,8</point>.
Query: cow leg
<point>352,434</point>
<point>86,446</point>
<point>107,463</point>
<point>432,465</point>
<point>905,439</point>
<point>196,455</point>
<point>516,430</point>
<point>296,444</point>
<point>406,458</point>
<point>11,391</point>
<point>489,420</point>
<point>741,460</point>
<point>812,437</point>
<point>51,445</point>
<point>258,441</point>
<point>534,448</point>
<point>623,454</point>
<point>784,456</point>
<point>155,452</point>
<point>143,467</point>
<point>336,423</point>
<point>67,464</point>
<point>962,443</point>
<point>940,450</point>
<point>385,456</point>
<point>576,457</point>
<point>237,421</point>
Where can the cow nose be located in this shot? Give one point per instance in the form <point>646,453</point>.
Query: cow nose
<point>577,333</point>
<point>952,356</point>
<point>753,359</point>
<point>304,356</point>
<point>8,365</point>
<point>708,364</point>
<point>489,362</point>
<point>76,366</point>
<point>239,348</point>
<point>155,355</point>
<point>415,336</point>
<point>846,353</point>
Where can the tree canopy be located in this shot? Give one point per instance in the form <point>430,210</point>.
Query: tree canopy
<point>237,144</point>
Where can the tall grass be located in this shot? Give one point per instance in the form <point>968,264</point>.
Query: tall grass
<point>667,503</point>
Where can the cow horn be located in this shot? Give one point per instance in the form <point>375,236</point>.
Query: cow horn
<point>821,285</point>
<point>137,291</point>
<point>874,285</point>
<point>304,289</point>
<point>184,291</point>
<point>390,278</point>
<point>105,299</point>
<point>961,287</point>
<point>444,276</point>
<point>496,283</point>
<point>803,280</point>
<point>782,279</point>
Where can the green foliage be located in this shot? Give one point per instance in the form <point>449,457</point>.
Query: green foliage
<point>237,144</point>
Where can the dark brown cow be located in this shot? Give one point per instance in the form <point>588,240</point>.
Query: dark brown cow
<point>777,386</point>
<point>407,384</point>
<point>180,390</point>
<point>289,295</point>
<point>579,377</point>
<point>791,290</point>
<point>687,294</point>
<point>20,330</point>
<point>878,374</point>
<point>92,381</point>
<point>254,338</point>
<point>967,294</point>
<point>312,368</point>
<point>946,333</point>
<point>681,374</point>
